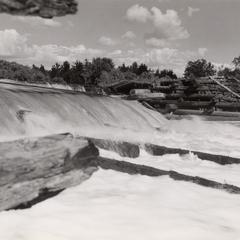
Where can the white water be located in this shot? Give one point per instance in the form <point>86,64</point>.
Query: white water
<point>187,164</point>
<point>117,206</point>
<point>56,111</point>
<point>112,205</point>
<point>53,111</point>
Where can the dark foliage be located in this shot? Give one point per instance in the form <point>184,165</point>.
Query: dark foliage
<point>199,68</point>
<point>99,71</point>
<point>165,73</point>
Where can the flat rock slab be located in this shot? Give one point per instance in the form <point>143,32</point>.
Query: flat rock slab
<point>156,150</point>
<point>29,168</point>
<point>32,170</point>
<point>124,149</point>
<point>41,8</point>
<point>132,168</point>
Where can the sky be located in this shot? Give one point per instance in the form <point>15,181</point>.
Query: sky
<point>159,33</point>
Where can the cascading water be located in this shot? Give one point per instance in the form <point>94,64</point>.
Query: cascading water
<point>28,111</point>
<point>35,111</point>
<point>117,199</point>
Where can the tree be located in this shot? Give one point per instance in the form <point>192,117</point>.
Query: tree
<point>99,65</point>
<point>236,62</point>
<point>42,69</point>
<point>225,72</point>
<point>110,77</point>
<point>55,70</point>
<point>199,68</point>
<point>166,72</point>
<point>77,73</point>
<point>143,68</point>
<point>134,68</point>
<point>123,68</point>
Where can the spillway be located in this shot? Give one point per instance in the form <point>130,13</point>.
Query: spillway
<point>36,111</point>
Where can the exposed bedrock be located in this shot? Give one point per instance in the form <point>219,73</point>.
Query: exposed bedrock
<point>29,168</point>
<point>132,150</point>
<point>42,8</point>
<point>124,149</point>
<point>131,168</point>
<point>156,150</point>
<point>32,170</point>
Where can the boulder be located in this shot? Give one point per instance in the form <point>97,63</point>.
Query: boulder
<point>124,149</point>
<point>33,168</point>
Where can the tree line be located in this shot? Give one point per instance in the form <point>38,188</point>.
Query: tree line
<point>102,71</point>
<point>98,72</point>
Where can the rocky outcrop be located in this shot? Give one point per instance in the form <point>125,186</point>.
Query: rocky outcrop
<point>124,149</point>
<point>156,150</point>
<point>42,8</point>
<point>131,168</point>
<point>32,169</point>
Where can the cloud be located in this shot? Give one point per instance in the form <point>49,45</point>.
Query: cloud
<point>202,51</point>
<point>51,53</point>
<point>191,11</point>
<point>138,13</point>
<point>129,35</point>
<point>14,46</point>
<point>169,58</point>
<point>162,58</point>
<point>38,21</point>
<point>167,26</point>
<point>116,52</point>
<point>220,66</point>
<point>155,42</point>
<point>12,43</point>
<point>107,41</point>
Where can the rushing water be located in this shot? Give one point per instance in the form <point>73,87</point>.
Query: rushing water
<point>112,205</point>
<point>35,111</point>
<point>32,111</point>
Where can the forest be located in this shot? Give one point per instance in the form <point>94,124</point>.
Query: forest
<point>102,71</point>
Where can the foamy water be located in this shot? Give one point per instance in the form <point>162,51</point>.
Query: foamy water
<point>116,206</point>
<point>51,111</point>
<point>113,205</point>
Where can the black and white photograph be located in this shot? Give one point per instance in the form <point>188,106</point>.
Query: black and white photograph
<point>119,120</point>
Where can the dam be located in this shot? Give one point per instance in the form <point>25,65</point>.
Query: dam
<point>35,110</point>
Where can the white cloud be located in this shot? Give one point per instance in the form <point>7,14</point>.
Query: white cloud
<point>116,52</point>
<point>129,35</point>
<point>202,51</point>
<point>48,54</point>
<point>220,66</point>
<point>167,26</point>
<point>191,11</point>
<point>107,41</point>
<point>38,21</point>
<point>14,46</point>
<point>12,43</point>
<point>163,58</point>
<point>138,13</point>
<point>155,42</point>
